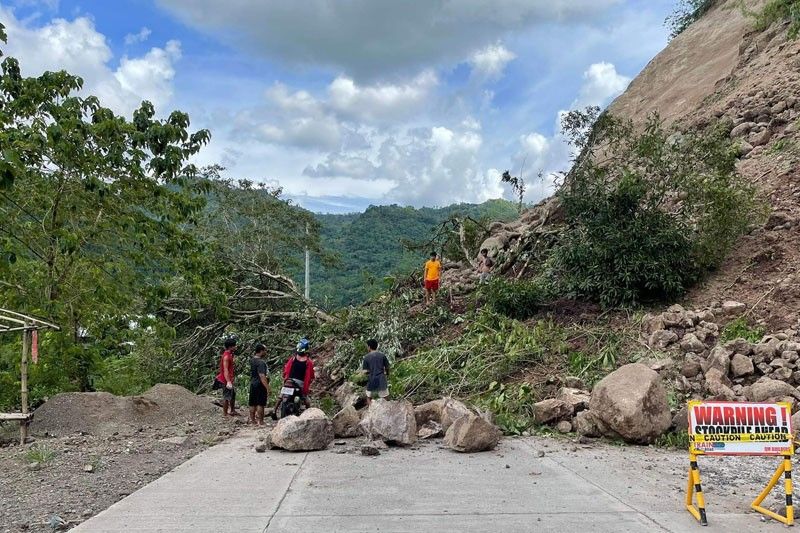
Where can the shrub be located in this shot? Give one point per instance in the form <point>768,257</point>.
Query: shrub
<point>515,299</point>
<point>648,211</point>
<point>776,10</point>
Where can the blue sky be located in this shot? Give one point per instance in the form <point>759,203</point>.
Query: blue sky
<point>355,102</point>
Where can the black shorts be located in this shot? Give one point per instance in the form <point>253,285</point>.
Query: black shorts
<point>258,395</point>
<point>229,394</point>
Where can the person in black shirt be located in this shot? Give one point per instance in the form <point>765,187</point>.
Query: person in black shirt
<point>376,366</point>
<point>259,385</point>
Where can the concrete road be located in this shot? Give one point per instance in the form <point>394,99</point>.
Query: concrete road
<point>230,488</point>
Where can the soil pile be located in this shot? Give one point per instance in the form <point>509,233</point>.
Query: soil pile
<point>102,413</point>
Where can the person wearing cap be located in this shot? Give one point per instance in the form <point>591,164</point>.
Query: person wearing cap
<point>259,385</point>
<point>299,368</point>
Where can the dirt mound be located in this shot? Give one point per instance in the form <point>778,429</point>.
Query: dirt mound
<point>102,413</point>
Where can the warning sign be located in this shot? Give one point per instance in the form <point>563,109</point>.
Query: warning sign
<point>740,428</point>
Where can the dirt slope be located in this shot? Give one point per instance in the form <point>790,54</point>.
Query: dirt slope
<point>721,68</point>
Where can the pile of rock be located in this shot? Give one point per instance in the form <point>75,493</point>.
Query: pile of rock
<point>398,422</point>
<point>630,403</point>
<point>736,370</point>
<point>506,242</point>
<point>761,116</point>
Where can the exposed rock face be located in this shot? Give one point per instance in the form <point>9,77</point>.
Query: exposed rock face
<point>632,403</point>
<point>391,421</point>
<point>310,431</point>
<point>345,422</point>
<point>472,433</point>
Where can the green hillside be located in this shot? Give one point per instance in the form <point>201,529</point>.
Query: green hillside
<point>369,246</point>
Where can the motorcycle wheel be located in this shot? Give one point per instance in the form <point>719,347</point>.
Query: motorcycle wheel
<point>287,408</point>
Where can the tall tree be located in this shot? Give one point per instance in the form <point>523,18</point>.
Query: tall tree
<point>92,205</point>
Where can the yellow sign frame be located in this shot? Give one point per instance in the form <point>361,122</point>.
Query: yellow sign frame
<point>694,487</point>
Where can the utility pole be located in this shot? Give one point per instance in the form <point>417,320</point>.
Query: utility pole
<point>308,268</point>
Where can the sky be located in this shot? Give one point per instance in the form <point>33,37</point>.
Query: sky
<point>351,103</point>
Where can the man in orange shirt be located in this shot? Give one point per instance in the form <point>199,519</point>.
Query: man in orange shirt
<point>433,269</point>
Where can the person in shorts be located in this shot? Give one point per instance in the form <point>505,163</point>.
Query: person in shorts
<point>485,265</point>
<point>259,385</point>
<point>376,366</point>
<point>224,379</point>
<point>432,273</point>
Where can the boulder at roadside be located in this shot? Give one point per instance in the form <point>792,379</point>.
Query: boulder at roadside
<point>472,433</point>
<point>631,402</point>
<point>391,421</point>
<point>310,431</point>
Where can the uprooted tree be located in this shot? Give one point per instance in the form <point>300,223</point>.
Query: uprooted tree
<point>106,227</point>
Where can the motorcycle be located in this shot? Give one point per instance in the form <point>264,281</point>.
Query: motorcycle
<point>292,398</point>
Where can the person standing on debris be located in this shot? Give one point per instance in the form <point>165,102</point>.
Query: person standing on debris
<point>259,385</point>
<point>224,379</point>
<point>432,273</point>
<point>376,367</point>
<point>485,265</point>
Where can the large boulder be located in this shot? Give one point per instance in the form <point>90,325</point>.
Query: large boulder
<point>452,411</point>
<point>390,421</point>
<point>310,431</point>
<point>772,390</point>
<point>429,412</point>
<point>551,410</point>
<point>445,411</point>
<point>631,402</point>
<point>472,433</point>
<point>348,394</point>
<point>345,422</point>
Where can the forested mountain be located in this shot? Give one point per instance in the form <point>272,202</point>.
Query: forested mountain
<point>375,244</point>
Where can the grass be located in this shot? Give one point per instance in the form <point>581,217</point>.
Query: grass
<point>40,454</point>
<point>739,329</point>
<point>673,441</point>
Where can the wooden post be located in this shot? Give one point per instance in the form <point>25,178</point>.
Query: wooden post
<point>23,370</point>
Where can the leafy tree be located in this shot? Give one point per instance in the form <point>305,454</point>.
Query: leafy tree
<point>93,208</point>
<point>649,210</point>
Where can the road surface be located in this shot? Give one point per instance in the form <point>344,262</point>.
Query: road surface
<point>571,487</point>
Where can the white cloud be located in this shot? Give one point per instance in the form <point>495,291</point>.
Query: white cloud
<point>601,82</point>
<point>550,155</point>
<point>77,47</point>
<point>489,63</point>
<point>140,37</point>
<point>380,102</point>
<point>372,38</point>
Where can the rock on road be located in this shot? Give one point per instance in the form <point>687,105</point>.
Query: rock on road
<point>515,488</point>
